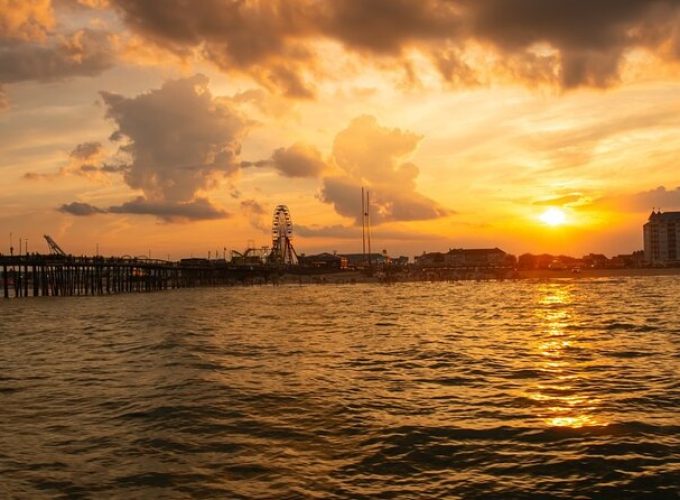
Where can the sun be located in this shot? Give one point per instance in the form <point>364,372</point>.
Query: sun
<point>553,217</point>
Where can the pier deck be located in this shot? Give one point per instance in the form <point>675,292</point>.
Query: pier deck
<point>53,275</point>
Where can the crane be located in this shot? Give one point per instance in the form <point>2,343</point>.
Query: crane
<point>54,248</point>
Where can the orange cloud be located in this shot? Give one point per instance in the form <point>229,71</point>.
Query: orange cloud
<point>26,20</point>
<point>569,44</point>
<point>368,154</point>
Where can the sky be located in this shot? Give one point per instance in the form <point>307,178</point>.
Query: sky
<point>175,128</point>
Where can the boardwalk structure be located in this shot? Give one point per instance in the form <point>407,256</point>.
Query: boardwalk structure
<point>55,275</point>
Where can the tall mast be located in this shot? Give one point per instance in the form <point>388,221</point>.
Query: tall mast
<point>368,226</point>
<point>363,227</point>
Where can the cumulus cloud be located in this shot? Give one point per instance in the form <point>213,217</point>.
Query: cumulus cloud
<point>83,53</point>
<point>659,198</point>
<point>175,143</point>
<point>375,156</point>
<point>568,43</point>
<point>83,161</point>
<point>198,209</point>
<point>299,160</point>
<point>25,19</point>
<point>179,141</point>
<point>80,209</point>
<point>32,50</point>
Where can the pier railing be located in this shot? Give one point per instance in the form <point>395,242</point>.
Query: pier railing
<point>53,275</point>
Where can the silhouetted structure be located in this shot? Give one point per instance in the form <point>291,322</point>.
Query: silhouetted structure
<point>283,252</point>
<point>57,275</point>
<point>324,260</point>
<point>467,258</point>
<point>54,248</point>
<point>661,236</point>
<point>361,260</point>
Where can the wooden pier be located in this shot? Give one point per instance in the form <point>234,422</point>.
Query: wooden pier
<point>55,275</point>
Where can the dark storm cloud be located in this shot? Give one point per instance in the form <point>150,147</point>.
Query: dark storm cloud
<point>591,37</point>
<point>80,209</point>
<point>273,39</point>
<point>387,26</point>
<point>261,37</point>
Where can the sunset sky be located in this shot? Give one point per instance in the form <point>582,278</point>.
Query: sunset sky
<point>177,126</point>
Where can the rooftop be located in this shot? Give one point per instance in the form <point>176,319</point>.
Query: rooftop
<point>476,250</point>
<point>664,216</point>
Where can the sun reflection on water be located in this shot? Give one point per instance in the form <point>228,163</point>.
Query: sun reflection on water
<point>561,399</point>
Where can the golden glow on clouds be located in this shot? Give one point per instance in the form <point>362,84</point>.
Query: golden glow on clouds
<point>500,138</point>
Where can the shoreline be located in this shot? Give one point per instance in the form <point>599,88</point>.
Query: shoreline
<point>598,273</point>
<point>355,277</point>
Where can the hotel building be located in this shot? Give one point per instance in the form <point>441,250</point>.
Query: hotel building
<point>662,235</point>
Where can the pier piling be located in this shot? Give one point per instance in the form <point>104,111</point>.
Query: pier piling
<point>57,275</point>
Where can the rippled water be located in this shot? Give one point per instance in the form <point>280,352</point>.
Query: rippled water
<point>567,389</point>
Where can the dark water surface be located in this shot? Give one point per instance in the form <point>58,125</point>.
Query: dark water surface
<point>566,389</point>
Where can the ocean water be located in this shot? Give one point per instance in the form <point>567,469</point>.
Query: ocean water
<point>562,389</point>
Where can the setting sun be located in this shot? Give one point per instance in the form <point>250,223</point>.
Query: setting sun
<point>553,217</point>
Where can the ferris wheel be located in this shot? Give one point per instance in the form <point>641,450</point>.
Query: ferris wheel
<point>282,234</point>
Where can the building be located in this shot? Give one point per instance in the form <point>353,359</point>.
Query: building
<point>661,236</point>
<point>467,258</point>
<point>595,261</point>
<point>430,259</point>
<point>323,261</point>
<point>359,260</point>
<point>401,261</point>
<point>477,257</point>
